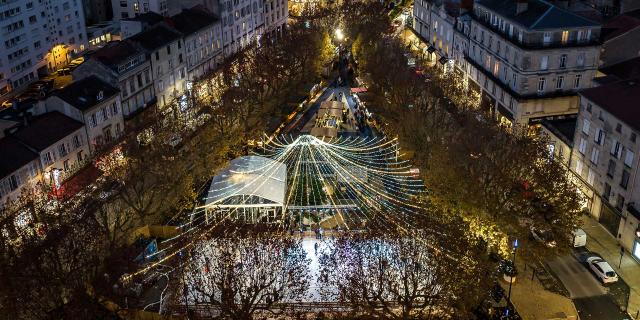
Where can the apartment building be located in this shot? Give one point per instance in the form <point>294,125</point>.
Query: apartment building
<point>123,65</point>
<point>276,13</point>
<point>37,38</point>
<point>132,26</point>
<point>166,50</point>
<point>445,26</point>
<point>123,9</point>
<point>528,57</point>
<point>202,34</point>
<point>59,141</point>
<point>96,104</point>
<point>18,171</point>
<point>243,21</point>
<point>605,155</point>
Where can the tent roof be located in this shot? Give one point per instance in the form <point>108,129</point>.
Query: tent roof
<point>250,176</point>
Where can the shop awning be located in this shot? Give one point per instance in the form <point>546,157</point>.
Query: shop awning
<point>358,90</point>
<point>431,49</point>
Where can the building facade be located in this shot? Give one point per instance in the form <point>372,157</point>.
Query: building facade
<point>123,65</point>
<point>605,155</point>
<point>59,141</point>
<point>202,34</point>
<point>166,51</point>
<point>18,171</point>
<point>529,58</point>
<point>96,104</point>
<point>38,37</point>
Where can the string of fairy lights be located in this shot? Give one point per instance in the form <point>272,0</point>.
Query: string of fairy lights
<point>359,178</point>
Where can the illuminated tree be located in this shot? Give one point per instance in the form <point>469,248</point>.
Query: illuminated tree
<point>429,271</point>
<point>242,275</point>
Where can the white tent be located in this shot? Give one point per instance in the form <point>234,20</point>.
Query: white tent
<point>252,185</point>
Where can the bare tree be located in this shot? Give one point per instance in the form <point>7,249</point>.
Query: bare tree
<point>243,275</point>
<point>420,274</point>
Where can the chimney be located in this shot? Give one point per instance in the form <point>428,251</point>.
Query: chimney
<point>521,6</point>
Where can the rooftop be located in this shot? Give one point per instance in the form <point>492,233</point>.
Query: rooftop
<point>150,18</point>
<point>540,14</point>
<point>46,130</point>
<point>621,25</point>
<point>191,20</point>
<point>115,53</point>
<point>16,155</point>
<point>564,128</point>
<point>619,99</point>
<point>623,70</point>
<point>249,176</point>
<point>156,36</point>
<point>85,93</point>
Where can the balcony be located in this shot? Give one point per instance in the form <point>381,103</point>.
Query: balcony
<point>572,43</point>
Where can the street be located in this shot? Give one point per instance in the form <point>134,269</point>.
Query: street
<point>591,298</point>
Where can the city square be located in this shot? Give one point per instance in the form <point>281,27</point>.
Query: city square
<point>312,159</point>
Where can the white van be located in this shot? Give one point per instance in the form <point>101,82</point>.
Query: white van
<point>579,238</point>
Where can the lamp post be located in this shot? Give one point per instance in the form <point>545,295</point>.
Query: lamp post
<point>513,262</point>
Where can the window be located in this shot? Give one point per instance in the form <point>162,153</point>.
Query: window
<point>580,60</point>
<point>590,177</point>
<point>615,148</point>
<point>544,63</point>
<point>94,120</point>
<point>633,137</point>
<point>565,36</point>
<point>541,84</point>
<point>606,193</point>
<point>76,142</point>
<point>546,38</point>
<point>595,154</point>
<point>114,108</point>
<point>169,49</point>
<point>624,182</point>
<point>62,150</point>
<point>586,125</point>
<point>589,107</point>
<point>579,167</point>
<point>619,128</point>
<point>583,145</point>
<point>80,156</point>
<point>563,61</point>
<point>47,158</point>
<point>139,80</point>
<point>66,165</point>
<point>559,82</point>
<point>599,136</point>
<point>576,81</point>
<point>611,169</point>
<point>620,202</point>
<point>157,55</point>
<point>628,158</point>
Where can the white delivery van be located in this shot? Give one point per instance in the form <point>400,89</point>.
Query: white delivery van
<point>579,238</point>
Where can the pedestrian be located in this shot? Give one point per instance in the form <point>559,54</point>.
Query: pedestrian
<point>315,247</point>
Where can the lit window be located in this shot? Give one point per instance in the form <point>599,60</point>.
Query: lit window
<point>565,36</point>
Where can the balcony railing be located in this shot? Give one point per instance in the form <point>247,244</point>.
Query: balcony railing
<point>542,45</point>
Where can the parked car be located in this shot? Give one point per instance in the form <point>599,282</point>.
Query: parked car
<point>602,269</point>
<point>543,236</point>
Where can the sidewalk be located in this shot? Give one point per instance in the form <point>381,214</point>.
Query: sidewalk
<point>533,302</point>
<point>600,241</point>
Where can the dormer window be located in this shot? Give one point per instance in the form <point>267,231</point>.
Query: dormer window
<point>100,95</point>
